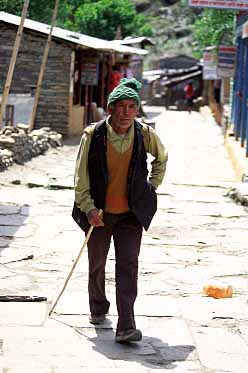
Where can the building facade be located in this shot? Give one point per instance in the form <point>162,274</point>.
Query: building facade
<point>77,76</point>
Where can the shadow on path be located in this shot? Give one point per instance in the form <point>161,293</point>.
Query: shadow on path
<point>150,352</point>
<point>12,217</point>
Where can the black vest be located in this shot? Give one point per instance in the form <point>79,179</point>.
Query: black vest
<point>142,198</point>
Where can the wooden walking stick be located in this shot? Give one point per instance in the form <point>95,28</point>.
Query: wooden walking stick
<point>73,267</point>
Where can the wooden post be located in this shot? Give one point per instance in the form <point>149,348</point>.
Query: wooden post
<point>86,107</point>
<point>13,61</point>
<point>90,114</point>
<point>71,91</point>
<point>102,83</point>
<point>43,66</point>
<point>110,65</point>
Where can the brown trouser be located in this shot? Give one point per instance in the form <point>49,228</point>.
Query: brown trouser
<point>127,233</point>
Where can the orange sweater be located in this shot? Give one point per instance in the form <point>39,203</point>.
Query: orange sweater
<point>117,190</point>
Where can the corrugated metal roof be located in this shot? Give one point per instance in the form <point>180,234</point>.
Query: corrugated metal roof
<point>153,72</point>
<point>71,36</point>
<point>182,78</point>
<point>140,39</point>
<point>118,47</point>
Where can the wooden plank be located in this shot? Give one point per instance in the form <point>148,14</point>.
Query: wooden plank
<point>43,66</point>
<point>22,298</point>
<point>89,119</point>
<point>111,61</point>
<point>13,61</point>
<point>86,106</point>
<point>102,83</point>
<point>71,89</point>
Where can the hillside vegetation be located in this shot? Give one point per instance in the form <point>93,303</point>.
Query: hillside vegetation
<point>172,23</point>
<point>175,27</point>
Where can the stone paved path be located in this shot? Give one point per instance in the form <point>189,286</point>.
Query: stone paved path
<point>199,236</point>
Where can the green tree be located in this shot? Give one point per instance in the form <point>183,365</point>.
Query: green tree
<point>100,18</point>
<point>212,28</point>
<point>41,10</point>
<point>38,10</point>
<point>13,6</point>
<point>103,17</point>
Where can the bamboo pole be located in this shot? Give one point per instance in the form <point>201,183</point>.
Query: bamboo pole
<point>13,61</point>
<point>73,267</point>
<point>43,66</point>
<point>72,270</point>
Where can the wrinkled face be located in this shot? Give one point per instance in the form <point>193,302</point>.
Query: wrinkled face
<point>123,114</point>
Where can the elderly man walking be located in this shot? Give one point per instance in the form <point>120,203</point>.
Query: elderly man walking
<point>111,174</point>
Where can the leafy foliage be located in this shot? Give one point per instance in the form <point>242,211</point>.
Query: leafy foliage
<point>100,18</point>
<point>14,6</point>
<point>38,10</point>
<point>212,28</point>
<point>41,10</point>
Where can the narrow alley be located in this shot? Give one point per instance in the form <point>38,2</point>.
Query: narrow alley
<point>198,237</point>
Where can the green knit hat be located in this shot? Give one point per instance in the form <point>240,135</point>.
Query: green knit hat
<point>128,89</point>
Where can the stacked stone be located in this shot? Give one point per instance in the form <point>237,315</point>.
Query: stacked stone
<point>6,159</point>
<point>17,141</point>
<point>43,139</point>
<point>19,145</point>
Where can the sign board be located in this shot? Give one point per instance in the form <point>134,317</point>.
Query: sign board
<point>226,61</point>
<point>221,4</point>
<point>89,73</point>
<point>210,60</point>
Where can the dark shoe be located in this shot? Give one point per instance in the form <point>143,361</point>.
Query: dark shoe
<point>130,335</point>
<point>97,319</point>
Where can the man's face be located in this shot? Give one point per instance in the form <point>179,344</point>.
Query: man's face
<point>123,114</point>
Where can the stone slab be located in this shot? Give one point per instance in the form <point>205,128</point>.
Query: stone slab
<point>221,350</point>
<point>23,313</point>
<point>206,308</point>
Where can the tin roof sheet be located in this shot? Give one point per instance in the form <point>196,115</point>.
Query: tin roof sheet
<point>70,36</point>
<point>129,40</point>
<point>126,48</point>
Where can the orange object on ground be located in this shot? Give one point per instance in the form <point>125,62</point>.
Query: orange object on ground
<point>218,292</point>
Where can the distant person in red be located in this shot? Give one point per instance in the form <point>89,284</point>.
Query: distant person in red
<point>189,95</point>
<point>116,76</point>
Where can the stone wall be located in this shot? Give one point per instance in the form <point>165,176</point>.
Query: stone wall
<point>18,145</point>
<point>53,104</point>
